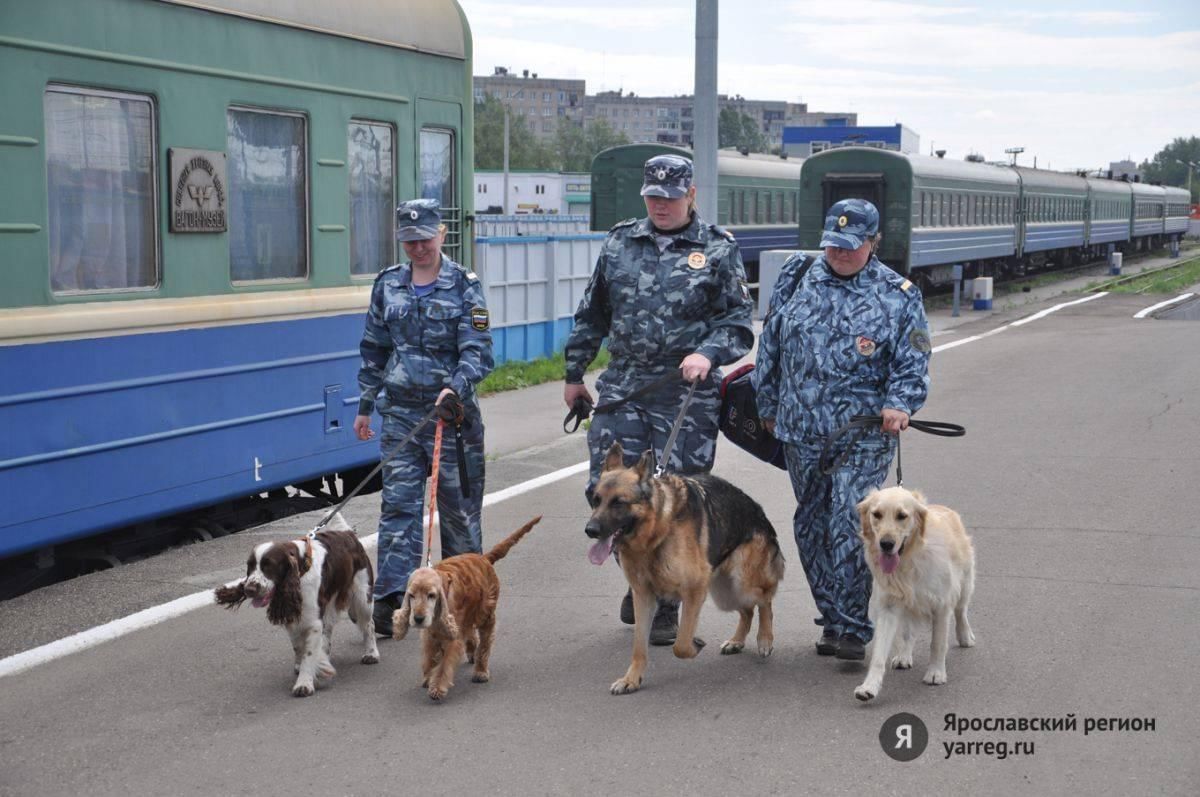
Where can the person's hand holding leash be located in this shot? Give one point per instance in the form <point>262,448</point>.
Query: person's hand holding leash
<point>894,421</point>
<point>572,393</point>
<point>695,367</point>
<point>362,427</point>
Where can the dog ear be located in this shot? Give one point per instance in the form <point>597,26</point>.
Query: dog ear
<point>442,616</point>
<point>400,618</point>
<point>284,608</point>
<point>920,510</point>
<point>230,597</point>
<point>864,511</point>
<point>615,458</point>
<point>645,465</point>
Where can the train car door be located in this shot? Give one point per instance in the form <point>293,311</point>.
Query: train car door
<point>871,186</point>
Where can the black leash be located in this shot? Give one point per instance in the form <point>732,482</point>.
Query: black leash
<point>582,409</point>
<point>451,410</point>
<point>859,425</point>
<point>661,468</point>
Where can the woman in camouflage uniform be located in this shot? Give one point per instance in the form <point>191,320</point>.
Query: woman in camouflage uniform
<point>426,338</point>
<point>851,339</point>
<point>669,293</point>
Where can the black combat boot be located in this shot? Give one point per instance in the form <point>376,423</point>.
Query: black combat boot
<point>666,623</point>
<point>385,607</point>
<point>627,608</point>
<point>828,644</point>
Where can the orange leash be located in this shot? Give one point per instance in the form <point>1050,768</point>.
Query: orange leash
<point>433,489</point>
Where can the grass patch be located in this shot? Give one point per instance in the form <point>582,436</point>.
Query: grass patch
<point>1168,280</point>
<point>514,375</point>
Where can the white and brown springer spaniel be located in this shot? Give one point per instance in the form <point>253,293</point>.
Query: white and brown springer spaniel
<point>305,584</point>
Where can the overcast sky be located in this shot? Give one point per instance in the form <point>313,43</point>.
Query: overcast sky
<point>1078,84</point>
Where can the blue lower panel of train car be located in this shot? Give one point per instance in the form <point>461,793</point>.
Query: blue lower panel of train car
<point>1040,237</point>
<point>106,432</point>
<point>1143,227</point>
<point>753,241</point>
<point>935,246</point>
<point>1103,232</point>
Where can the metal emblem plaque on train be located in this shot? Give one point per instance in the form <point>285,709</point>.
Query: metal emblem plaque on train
<point>199,198</point>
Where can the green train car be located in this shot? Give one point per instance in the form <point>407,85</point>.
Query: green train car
<point>198,197</point>
<point>757,195</point>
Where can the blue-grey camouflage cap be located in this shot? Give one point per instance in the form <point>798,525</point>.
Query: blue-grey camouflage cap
<point>667,176</point>
<point>849,223</point>
<point>417,220</point>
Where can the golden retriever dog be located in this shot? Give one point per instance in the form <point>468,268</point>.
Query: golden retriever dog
<point>923,566</point>
<point>454,605</point>
<point>684,537</point>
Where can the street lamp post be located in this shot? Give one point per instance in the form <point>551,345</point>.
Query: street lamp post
<point>1190,166</point>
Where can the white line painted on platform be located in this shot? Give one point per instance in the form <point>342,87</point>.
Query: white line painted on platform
<point>1056,308</point>
<point>146,618</point>
<point>1167,303</point>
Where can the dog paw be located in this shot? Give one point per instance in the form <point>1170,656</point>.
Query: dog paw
<point>865,693</point>
<point>765,647</point>
<point>901,662</point>
<point>436,693</point>
<point>685,651</point>
<point>481,677</point>
<point>934,677</point>
<point>966,640</point>
<point>302,690</point>
<point>625,686</point>
<point>371,658</point>
<point>731,647</point>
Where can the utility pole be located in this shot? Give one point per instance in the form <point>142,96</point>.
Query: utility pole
<point>704,131</point>
<point>1189,166</point>
<point>1015,151</point>
<point>504,203</point>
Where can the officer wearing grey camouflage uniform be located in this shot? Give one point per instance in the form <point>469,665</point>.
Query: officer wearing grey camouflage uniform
<point>427,339</point>
<point>852,339</point>
<point>669,293</point>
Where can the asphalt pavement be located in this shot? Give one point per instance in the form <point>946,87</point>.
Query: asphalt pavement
<point>1076,481</point>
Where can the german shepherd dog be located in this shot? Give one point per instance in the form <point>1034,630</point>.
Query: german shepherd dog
<point>684,537</point>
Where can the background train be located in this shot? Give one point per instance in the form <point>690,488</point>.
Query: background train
<point>994,220</point>
<point>198,196</point>
<point>756,201</point>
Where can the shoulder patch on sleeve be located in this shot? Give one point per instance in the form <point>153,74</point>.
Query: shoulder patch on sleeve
<point>480,319</point>
<point>904,286</point>
<point>919,340</point>
<point>472,276</point>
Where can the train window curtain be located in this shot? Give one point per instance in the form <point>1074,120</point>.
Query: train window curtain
<point>268,192</point>
<point>372,197</point>
<point>100,169</point>
<point>437,182</point>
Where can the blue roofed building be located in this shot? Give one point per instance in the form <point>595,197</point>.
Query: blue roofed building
<point>835,132</point>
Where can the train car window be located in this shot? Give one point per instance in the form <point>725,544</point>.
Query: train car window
<point>770,207</point>
<point>437,182</point>
<point>268,195</point>
<point>730,218</point>
<point>101,190</point>
<point>372,169</point>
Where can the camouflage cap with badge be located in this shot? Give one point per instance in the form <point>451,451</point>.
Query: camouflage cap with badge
<point>417,220</point>
<point>849,224</point>
<point>667,176</point>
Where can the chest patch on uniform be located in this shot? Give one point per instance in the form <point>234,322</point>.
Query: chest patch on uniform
<point>697,260</point>
<point>479,318</point>
<point>866,346</point>
<point>919,340</point>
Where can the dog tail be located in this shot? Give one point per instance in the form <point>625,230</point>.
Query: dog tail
<point>502,548</point>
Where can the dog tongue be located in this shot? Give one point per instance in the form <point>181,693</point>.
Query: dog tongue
<point>600,549</point>
<point>261,601</point>
<point>888,562</point>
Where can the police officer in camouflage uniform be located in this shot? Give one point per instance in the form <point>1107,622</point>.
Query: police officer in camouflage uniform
<point>426,340</point>
<point>852,339</point>
<point>669,292</point>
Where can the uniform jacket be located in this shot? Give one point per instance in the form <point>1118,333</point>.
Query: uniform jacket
<point>657,308</point>
<point>413,347</point>
<point>837,348</point>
